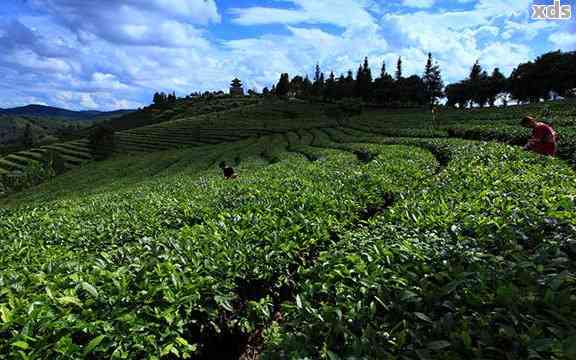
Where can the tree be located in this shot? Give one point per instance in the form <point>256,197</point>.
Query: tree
<point>399,69</point>
<point>432,81</point>
<point>28,137</point>
<point>498,85</point>
<point>457,95</point>
<point>359,82</point>
<point>411,91</point>
<point>307,87</point>
<point>330,90</point>
<point>483,89</point>
<point>318,85</point>
<point>265,91</point>
<point>347,88</point>
<point>523,84</point>
<point>363,81</point>
<point>475,71</point>
<point>297,85</point>
<point>384,87</point>
<point>478,85</point>
<point>160,99</point>
<point>283,87</point>
<point>102,141</point>
<point>554,74</point>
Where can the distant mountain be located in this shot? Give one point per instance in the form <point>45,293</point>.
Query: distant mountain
<point>48,111</point>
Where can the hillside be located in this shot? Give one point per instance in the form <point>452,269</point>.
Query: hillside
<point>374,235</point>
<point>198,123</point>
<point>53,112</point>
<point>221,121</point>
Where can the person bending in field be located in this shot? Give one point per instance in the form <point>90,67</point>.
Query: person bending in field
<point>228,171</point>
<point>543,139</point>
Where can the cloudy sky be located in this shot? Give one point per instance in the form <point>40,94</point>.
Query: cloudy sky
<point>112,54</point>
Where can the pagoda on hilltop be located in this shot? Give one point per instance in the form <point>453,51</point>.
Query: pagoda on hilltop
<point>236,88</point>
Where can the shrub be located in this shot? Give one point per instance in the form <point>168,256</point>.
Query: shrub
<point>102,141</point>
<point>337,115</point>
<point>352,106</point>
<point>35,173</point>
<point>54,160</point>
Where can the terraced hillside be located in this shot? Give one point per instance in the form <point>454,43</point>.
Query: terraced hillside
<point>335,242</point>
<point>182,108</point>
<point>188,130</point>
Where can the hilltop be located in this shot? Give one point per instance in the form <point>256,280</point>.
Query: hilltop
<point>42,111</point>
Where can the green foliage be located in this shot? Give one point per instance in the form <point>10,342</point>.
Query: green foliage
<point>54,160</point>
<point>432,81</point>
<point>168,261</point>
<point>472,264</point>
<point>351,106</point>
<point>33,174</point>
<point>102,141</point>
<point>377,240</point>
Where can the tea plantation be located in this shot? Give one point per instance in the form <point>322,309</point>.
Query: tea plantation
<point>376,236</point>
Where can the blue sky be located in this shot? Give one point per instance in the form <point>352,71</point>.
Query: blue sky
<point>111,54</point>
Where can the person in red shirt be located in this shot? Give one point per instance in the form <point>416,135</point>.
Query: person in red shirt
<point>543,139</point>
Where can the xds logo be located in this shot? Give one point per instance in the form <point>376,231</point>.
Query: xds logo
<point>552,12</point>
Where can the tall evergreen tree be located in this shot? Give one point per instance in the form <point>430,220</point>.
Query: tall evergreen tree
<point>359,82</point>
<point>367,71</point>
<point>317,73</point>
<point>318,85</point>
<point>399,69</point>
<point>363,80</point>
<point>384,87</point>
<point>383,70</point>
<point>475,84</point>
<point>330,89</point>
<point>432,80</point>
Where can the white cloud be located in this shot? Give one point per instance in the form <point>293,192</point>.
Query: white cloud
<point>87,102</point>
<point>563,40</point>
<point>489,32</point>
<point>166,23</point>
<point>527,30</point>
<point>422,4</point>
<point>196,11</point>
<point>28,60</point>
<point>343,13</point>
<point>111,54</point>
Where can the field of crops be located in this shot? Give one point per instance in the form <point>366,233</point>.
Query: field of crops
<point>488,124</point>
<point>187,124</point>
<point>334,243</point>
